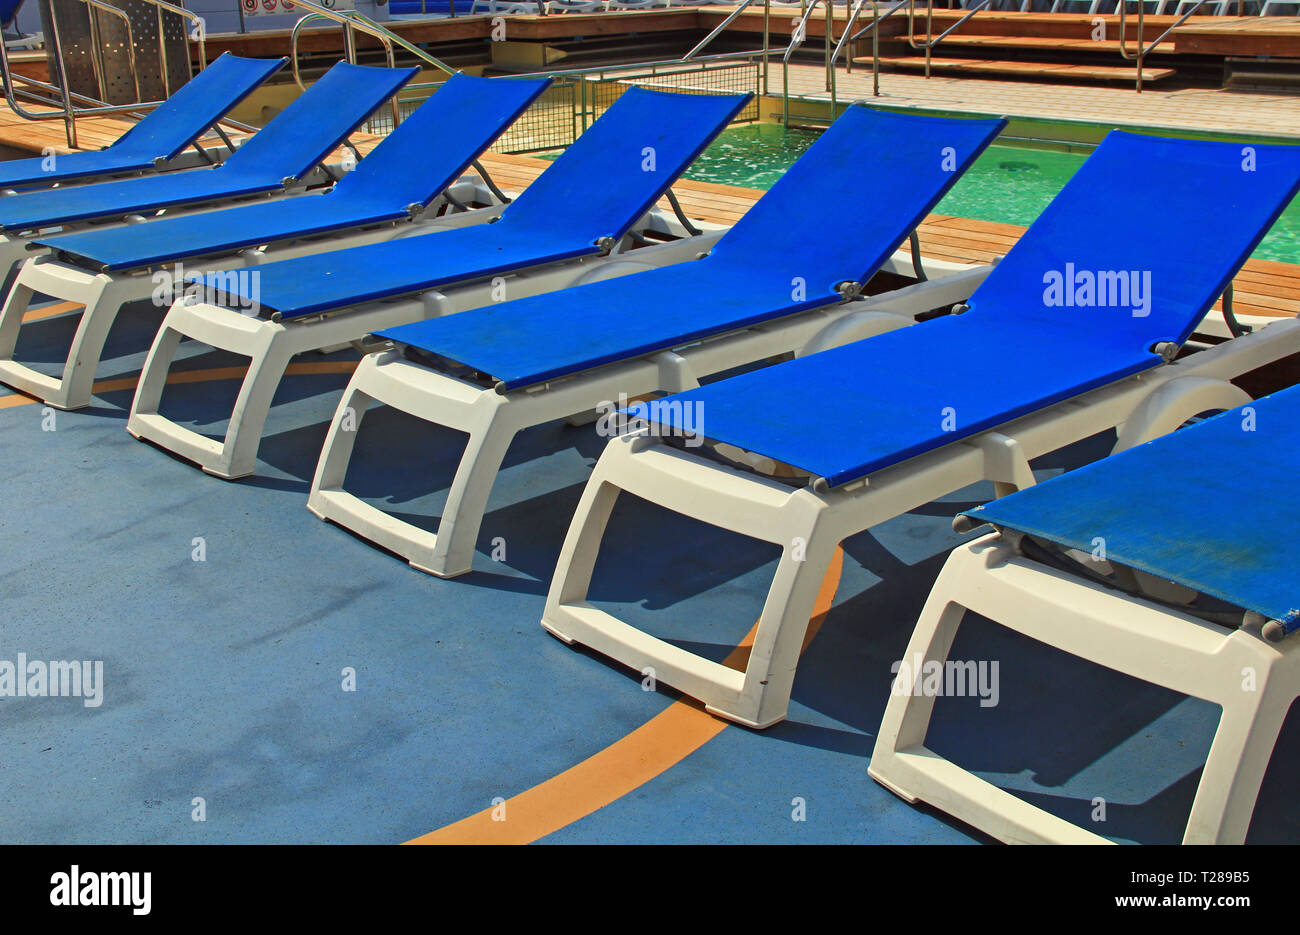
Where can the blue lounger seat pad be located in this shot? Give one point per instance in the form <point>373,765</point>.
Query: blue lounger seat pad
<point>136,195</point>
<point>163,133</point>
<point>310,284</point>
<point>1177,507</point>
<point>429,150</point>
<point>288,147</point>
<point>817,227</point>
<point>599,187</point>
<point>847,412</point>
<point>859,408</point>
<point>168,239</point>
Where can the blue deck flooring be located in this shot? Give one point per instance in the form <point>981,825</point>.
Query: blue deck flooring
<point>223,678</point>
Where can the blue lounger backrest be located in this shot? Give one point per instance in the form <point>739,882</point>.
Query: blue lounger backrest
<point>197,105</point>
<point>310,128</point>
<point>1175,507</point>
<point>1120,213</point>
<point>630,156</point>
<point>475,110</point>
<point>868,171</point>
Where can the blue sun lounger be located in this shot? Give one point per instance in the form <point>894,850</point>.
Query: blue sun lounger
<point>580,208</point>
<point>875,428</point>
<point>103,270</point>
<point>778,277</point>
<point>161,135</point>
<point>1156,562</point>
<point>549,222</point>
<point>282,152</point>
<point>428,151</point>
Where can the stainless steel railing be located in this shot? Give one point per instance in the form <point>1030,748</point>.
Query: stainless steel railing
<point>1142,52</point>
<point>850,37</point>
<point>931,39</point>
<point>353,23</point>
<point>71,105</point>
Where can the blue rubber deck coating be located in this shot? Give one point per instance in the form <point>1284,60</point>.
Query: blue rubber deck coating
<point>819,226</point>
<point>297,139</point>
<point>163,133</point>
<point>599,187</point>
<point>1140,207</point>
<point>223,678</point>
<point>428,151</point>
<point>1175,507</point>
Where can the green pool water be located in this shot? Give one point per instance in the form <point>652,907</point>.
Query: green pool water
<point>1008,183</point>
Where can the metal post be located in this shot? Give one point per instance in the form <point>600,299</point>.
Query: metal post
<point>929,34</point>
<point>69,120</point>
<point>767,15</point>
<point>826,44</point>
<point>875,50</point>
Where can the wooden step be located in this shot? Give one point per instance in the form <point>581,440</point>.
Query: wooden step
<point>1039,44</point>
<point>1061,25</point>
<point>984,66</point>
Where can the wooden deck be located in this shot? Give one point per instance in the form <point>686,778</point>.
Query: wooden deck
<point>1263,287</point>
<point>1227,35</point>
<point>1198,110</point>
<point>35,136</point>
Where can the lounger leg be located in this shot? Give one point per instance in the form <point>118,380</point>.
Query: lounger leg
<point>248,419</point>
<point>237,456</point>
<point>486,417</point>
<point>1254,682</point>
<point>11,318</point>
<point>153,378</point>
<point>102,298</point>
<point>1240,753</point>
<point>332,468</point>
<point>13,251</point>
<point>795,520</point>
<point>908,713</point>
<point>778,641</point>
<point>453,552</point>
<point>577,559</point>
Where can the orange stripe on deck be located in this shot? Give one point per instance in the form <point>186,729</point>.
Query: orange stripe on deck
<point>624,766</point>
<point>49,311</point>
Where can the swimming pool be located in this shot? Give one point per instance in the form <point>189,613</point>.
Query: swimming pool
<point>1011,184</point>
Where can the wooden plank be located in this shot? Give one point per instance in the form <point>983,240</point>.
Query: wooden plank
<point>984,66</point>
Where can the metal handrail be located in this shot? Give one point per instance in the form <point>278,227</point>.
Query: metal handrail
<point>1142,52</point>
<point>874,29</point>
<point>68,113</point>
<point>699,46</point>
<point>797,36</point>
<point>352,21</point>
<point>94,108</point>
<point>934,40</point>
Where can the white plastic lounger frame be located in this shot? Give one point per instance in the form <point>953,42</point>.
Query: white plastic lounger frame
<point>104,294</point>
<point>492,419</point>
<point>271,344</point>
<point>1143,407</point>
<point>1140,639</point>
